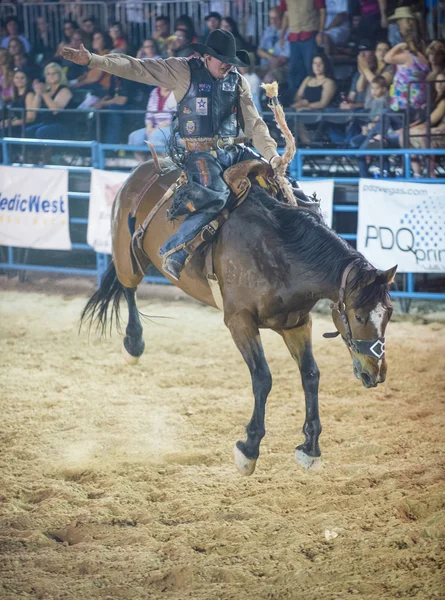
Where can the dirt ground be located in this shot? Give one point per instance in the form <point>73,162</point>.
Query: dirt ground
<point>118,482</point>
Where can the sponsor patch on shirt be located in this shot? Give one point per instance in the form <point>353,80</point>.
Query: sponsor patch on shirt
<point>228,87</point>
<point>186,110</point>
<point>205,87</point>
<point>201,106</point>
<point>190,127</point>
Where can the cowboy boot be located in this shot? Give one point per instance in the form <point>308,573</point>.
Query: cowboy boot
<point>174,264</point>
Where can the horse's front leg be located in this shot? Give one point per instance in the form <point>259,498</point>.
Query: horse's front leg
<point>247,338</point>
<point>299,343</point>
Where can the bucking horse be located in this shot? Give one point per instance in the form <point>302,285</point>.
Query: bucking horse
<point>266,267</point>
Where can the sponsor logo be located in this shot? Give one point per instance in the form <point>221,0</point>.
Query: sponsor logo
<point>186,110</point>
<point>228,87</point>
<point>201,106</point>
<point>190,127</point>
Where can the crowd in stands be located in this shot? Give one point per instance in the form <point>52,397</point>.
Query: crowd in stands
<point>352,73</point>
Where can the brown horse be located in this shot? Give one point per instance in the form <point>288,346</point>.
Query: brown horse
<point>274,262</point>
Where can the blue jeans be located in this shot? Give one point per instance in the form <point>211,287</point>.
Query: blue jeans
<point>113,122</point>
<point>208,190</point>
<point>51,131</point>
<point>300,62</point>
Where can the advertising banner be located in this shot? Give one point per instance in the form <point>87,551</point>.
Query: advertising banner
<point>34,208</point>
<point>324,190</point>
<point>402,223</point>
<point>104,187</point>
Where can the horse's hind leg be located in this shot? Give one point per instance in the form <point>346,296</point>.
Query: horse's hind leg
<point>246,336</point>
<point>133,344</point>
<point>298,341</point>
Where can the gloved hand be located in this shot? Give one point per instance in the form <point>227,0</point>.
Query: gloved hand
<point>276,162</point>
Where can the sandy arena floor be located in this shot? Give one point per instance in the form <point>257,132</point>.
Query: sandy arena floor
<point>118,482</point>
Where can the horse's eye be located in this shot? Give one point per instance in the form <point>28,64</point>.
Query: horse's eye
<point>360,320</point>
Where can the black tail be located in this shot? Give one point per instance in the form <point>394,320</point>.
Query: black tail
<point>96,310</point>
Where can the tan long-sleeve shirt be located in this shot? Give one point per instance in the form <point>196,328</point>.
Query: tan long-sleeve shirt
<point>174,74</point>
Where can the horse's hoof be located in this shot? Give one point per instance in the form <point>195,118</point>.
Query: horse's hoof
<point>131,360</point>
<point>246,466</point>
<point>309,463</point>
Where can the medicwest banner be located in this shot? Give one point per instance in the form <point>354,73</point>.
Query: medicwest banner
<point>402,223</point>
<point>104,187</point>
<point>34,208</point>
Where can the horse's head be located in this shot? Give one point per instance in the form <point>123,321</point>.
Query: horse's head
<point>361,315</point>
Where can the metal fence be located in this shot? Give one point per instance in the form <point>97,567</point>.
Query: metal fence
<point>14,261</point>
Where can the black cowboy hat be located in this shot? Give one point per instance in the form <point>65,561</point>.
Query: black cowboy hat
<point>221,45</point>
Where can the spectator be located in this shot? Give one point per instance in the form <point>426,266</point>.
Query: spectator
<point>179,43</point>
<point>72,70</point>
<point>254,81</point>
<point>160,109</point>
<point>148,50</point>
<point>305,20</point>
<point>315,93</point>
<point>186,23</point>
<point>435,54</point>
<point>411,66</point>
<point>274,57</point>
<point>376,106</point>
<point>369,69</point>
<point>229,24</point>
<point>418,132</point>
<point>12,29</point>
<point>359,85</point>
<point>116,101</point>
<point>23,98</point>
<point>6,75</point>
<point>373,21</point>
<point>55,95</point>
<point>15,46</point>
<point>69,27</point>
<point>117,35</point>
<point>21,60</point>
<point>88,26</point>
<point>161,34</point>
<point>96,80</point>
<point>212,21</point>
<point>337,30</point>
<point>44,49</point>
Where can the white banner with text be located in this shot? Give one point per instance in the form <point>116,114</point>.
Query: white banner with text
<point>34,208</point>
<point>103,190</point>
<point>402,223</point>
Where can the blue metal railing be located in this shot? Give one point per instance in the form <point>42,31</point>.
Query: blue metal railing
<point>97,156</point>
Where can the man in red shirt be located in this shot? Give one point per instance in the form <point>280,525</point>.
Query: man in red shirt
<point>306,21</point>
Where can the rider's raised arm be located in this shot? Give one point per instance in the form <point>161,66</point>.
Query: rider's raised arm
<point>171,73</point>
<point>253,125</point>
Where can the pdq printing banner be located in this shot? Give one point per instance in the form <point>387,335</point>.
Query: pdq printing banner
<point>324,190</point>
<point>402,223</point>
<point>104,187</point>
<point>34,208</point>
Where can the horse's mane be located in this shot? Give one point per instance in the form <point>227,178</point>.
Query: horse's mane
<point>304,234</point>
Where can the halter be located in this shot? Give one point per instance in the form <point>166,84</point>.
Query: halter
<point>374,348</point>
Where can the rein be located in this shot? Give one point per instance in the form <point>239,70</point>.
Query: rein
<point>374,348</point>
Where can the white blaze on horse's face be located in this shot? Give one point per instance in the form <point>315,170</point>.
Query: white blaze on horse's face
<point>377,317</point>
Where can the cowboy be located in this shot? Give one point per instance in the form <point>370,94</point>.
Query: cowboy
<point>214,100</point>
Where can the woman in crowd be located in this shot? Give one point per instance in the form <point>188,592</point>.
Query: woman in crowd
<point>148,50</point>
<point>160,109</point>
<point>229,24</point>
<point>315,93</point>
<point>54,94</point>
<point>120,42</point>
<point>96,80</point>
<point>6,75</point>
<point>418,132</point>
<point>69,27</point>
<point>186,23</point>
<point>378,67</point>
<point>22,98</point>
<point>435,54</point>
<point>412,69</point>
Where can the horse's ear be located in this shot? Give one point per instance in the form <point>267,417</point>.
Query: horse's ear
<point>387,276</point>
